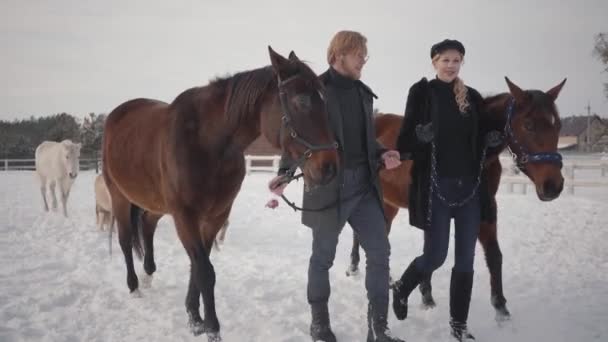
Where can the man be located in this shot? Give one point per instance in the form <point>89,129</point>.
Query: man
<point>355,191</point>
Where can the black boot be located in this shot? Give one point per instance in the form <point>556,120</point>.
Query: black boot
<point>402,289</point>
<point>377,326</point>
<point>320,330</point>
<point>461,286</point>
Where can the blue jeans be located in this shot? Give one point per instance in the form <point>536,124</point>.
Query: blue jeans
<point>466,221</point>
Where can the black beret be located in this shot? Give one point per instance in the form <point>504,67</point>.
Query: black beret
<point>447,44</point>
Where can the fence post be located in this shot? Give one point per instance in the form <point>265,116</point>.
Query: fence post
<point>525,187</point>
<point>5,164</point>
<point>248,165</point>
<point>570,178</point>
<point>510,187</point>
<point>275,163</point>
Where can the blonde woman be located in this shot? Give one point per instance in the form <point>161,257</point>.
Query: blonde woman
<point>441,131</point>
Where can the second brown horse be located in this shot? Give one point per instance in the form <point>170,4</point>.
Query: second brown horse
<point>530,122</point>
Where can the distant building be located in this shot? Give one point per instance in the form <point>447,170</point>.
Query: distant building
<point>573,134</point>
<point>262,147</point>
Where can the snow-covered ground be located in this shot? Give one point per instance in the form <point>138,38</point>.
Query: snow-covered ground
<point>58,282</point>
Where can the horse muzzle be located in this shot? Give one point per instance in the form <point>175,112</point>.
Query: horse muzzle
<point>550,189</point>
<point>73,175</point>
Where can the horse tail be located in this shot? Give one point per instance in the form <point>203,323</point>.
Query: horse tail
<point>112,219</point>
<point>110,241</point>
<point>137,230</point>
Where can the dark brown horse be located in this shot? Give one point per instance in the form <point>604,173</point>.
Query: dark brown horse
<point>530,122</point>
<point>186,159</point>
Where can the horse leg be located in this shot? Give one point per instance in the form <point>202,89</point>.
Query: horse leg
<point>198,248</point>
<point>121,208</point>
<point>112,221</point>
<point>64,200</point>
<point>149,222</point>
<point>97,222</point>
<point>54,198</point>
<point>353,268</point>
<point>426,290</point>
<point>43,193</point>
<point>195,322</point>
<point>489,241</point>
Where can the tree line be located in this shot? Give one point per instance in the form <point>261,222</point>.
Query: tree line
<point>19,138</point>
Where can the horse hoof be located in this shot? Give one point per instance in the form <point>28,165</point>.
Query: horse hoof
<point>146,281</point>
<point>428,303</point>
<point>197,328</point>
<point>502,314</point>
<point>136,294</point>
<point>427,306</point>
<point>214,337</point>
<point>352,271</point>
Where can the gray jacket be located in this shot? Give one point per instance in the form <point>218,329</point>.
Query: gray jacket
<point>321,196</point>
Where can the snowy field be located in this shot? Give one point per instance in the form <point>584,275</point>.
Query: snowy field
<point>58,282</point>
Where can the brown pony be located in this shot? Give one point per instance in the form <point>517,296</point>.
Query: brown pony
<point>530,122</point>
<point>186,159</point>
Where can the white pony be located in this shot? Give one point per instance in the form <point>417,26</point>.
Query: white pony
<point>58,164</point>
<point>103,204</point>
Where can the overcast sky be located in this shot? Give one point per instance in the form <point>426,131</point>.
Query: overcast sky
<point>85,56</point>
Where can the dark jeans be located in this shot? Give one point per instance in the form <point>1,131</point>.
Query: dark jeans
<point>466,221</point>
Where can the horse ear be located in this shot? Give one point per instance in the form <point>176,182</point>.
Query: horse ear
<point>278,62</point>
<point>554,92</point>
<point>293,57</point>
<point>516,91</point>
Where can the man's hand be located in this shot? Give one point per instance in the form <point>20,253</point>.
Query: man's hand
<point>494,139</point>
<point>278,184</point>
<point>391,159</point>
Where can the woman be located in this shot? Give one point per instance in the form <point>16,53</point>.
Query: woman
<point>441,130</point>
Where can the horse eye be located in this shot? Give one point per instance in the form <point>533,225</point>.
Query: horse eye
<point>529,125</point>
<point>303,102</point>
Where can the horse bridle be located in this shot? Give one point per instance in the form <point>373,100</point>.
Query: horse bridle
<point>287,127</point>
<point>519,153</point>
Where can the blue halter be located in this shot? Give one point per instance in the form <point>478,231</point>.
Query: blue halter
<point>524,157</point>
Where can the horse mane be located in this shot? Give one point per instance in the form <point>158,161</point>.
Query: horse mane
<point>244,91</point>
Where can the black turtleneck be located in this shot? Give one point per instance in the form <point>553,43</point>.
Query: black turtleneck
<point>353,119</point>
<point>454,134</point>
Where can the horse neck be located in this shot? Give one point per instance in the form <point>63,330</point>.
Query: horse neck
<point>496,108</point>
<point>264,120</point>
<point>228,111</point>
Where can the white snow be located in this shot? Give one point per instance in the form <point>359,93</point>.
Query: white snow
<point>58,282</point>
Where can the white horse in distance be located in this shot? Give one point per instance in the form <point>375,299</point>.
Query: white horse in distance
<point>57,163</point>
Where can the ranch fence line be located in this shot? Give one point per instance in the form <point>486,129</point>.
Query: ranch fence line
<point>511,177</point>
